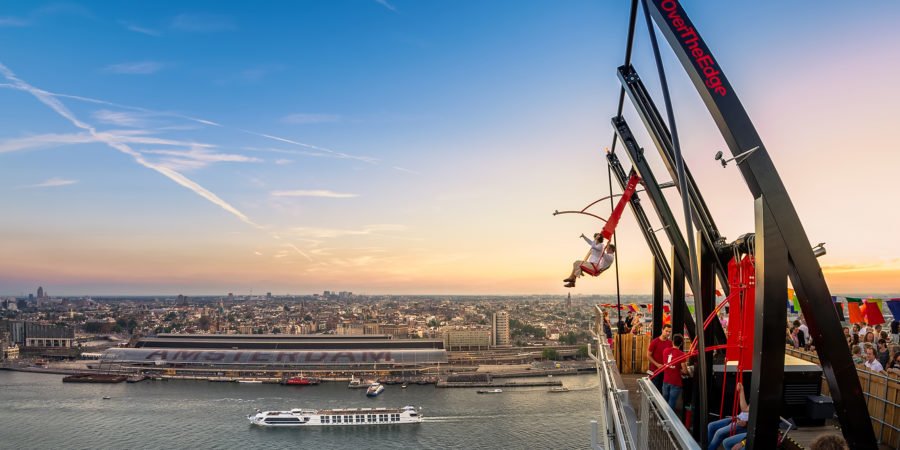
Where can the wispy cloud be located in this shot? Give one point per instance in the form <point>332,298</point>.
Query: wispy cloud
<point>135,68</point>
<point>52,182</point>
<point>312,193</point>
<point>54,104</point>
<point>203,23</point>
<point>43,141</point>
<point>120,118</point>
<point>332,153</point>
<point>883,265</point>
<point>139,29</point>
<point>307,118</point>
<point>322,233</point>
<point>387,5</point>
<point>197,158</point>
<point>9,21</point>
<point>403,169</point>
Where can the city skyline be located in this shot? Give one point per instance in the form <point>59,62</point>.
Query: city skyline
<point>407,148</point>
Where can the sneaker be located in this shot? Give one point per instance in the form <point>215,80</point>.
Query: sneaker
<point>570,284</point>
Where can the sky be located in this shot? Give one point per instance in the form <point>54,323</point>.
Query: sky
<point>400,146</point>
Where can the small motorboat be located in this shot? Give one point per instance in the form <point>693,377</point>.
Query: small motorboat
<point>490,391</point>
<point>558,389</point>
<point>403,386</point>
<point>106,398</point>
<point>374,390</point>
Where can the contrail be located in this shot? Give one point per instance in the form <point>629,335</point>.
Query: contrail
<point>54,104</point>
<point>337,154</point>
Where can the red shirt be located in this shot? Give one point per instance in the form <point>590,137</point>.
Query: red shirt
<point>672,374</point>
<point>657,347</point>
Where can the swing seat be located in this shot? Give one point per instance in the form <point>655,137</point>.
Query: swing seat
<point>591,269</point>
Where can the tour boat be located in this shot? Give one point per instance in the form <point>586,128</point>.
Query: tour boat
<point>374,390</point>
<point>559,389</point>
<point>336,417</point>
<point>490,391</point>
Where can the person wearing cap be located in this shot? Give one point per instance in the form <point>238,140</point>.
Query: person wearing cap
<point>599,259</point>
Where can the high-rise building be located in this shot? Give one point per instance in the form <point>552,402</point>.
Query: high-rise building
<point>569,302</point>
<point>500,329</point>
<point>40,292</point>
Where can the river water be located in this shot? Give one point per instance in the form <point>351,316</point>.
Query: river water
<point>39,411</point>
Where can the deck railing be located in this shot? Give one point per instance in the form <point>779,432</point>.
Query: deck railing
<point>618,426</point>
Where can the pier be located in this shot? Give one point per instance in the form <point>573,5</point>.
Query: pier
<point>496,384</point>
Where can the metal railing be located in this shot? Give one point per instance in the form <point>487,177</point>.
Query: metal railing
<point>618,427</point>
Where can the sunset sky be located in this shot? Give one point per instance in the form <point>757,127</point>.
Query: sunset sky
<point>400,146</point>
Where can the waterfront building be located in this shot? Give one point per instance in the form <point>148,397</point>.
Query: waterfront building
<point>500,329</point>
<point>466,338</point>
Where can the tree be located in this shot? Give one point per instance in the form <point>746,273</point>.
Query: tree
<point>582,352</point>
<point>550,353</point>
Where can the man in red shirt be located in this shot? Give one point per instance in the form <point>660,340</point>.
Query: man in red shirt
<point>672,374</point>
<point>655,354</point>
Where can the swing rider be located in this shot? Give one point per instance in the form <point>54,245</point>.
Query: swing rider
<point>599,258</point>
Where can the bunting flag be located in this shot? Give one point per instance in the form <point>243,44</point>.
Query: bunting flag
<point>853,300</point>
<point>856,315</point>
<point>668,310</point>
<point>795,303</point>
<point>667,319</point>
<point>691,308</point>
<point>634,307</point>
<point>873,312</point>
<point>894,305</point>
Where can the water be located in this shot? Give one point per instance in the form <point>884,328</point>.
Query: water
<point>39,411</point>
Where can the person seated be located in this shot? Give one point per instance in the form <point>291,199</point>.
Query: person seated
<point>601,258</point>
<point>829,442</point>
<point>719,431</point>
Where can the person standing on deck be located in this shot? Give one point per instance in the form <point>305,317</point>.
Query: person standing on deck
<point>655,354</point>
<point>672,374</point>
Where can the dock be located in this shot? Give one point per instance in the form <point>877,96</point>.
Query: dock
<point>478,384</point>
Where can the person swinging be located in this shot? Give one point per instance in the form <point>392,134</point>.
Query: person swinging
<point>599,258</point>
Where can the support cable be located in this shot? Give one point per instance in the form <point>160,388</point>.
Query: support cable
<point>686,206</point>
<point>616,254</point>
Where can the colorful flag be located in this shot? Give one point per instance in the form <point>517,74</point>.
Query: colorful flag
<point>856,315</point>
<point>894,305</point>
<point>873,312</point>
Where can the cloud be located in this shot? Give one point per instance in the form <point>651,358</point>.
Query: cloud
<point>120,118</point>
<point>135,68</point>
<point>312,193</point>
<point>203,23</point>
<point>282,162</point>
<point>306,118</point>
<point>321,233</point>
<point>330,152</point>
<point>139,29</point>
<point>403,169</point>
<point>387,5</point>
<point>197,158</point>
<point>884,265</point>
<point>108,139</point>
<point>9,21</point>
<point>52,182</point>
<point>44,140</point>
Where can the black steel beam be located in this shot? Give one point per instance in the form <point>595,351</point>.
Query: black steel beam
<point>768,334</point>
<point>667,219</point>
<point>704,303</point>
<point>659,255</point>
<point>662,139</point>
<point>679,306</point>
<point>657,300</point>
<point>763,180</point>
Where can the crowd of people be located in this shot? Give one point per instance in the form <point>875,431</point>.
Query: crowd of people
<point>872,347</point>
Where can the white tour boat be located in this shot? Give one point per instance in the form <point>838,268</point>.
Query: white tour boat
<point>329,417</point>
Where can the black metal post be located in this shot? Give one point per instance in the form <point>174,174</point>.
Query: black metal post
<point>662,139</point>
<point>657,300</point>
<point>679,305</point>
<point>769,331</point>
<point>704,302</point>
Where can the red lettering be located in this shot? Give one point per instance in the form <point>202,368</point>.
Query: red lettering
<point>690,40</point>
